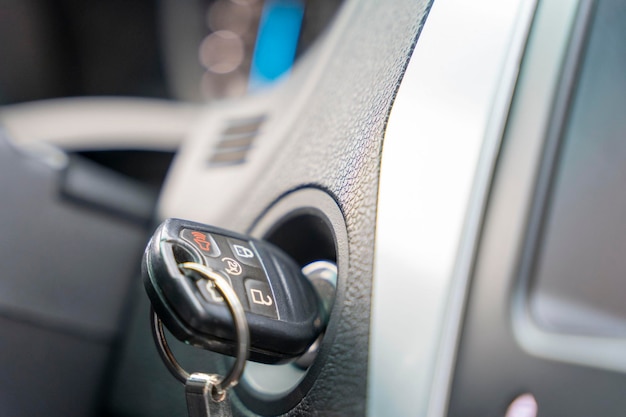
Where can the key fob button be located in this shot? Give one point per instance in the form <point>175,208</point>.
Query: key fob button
<point>203,241</point>
<point>260,298</point>
<point>209,291</point>
<point>244,252</point>
<point>232,267</point>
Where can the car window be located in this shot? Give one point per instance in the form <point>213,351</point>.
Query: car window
<point>580,264</point>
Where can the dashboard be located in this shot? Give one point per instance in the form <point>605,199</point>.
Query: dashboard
<point>460,165</point>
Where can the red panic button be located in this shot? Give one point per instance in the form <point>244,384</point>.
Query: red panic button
<point>203,241</point>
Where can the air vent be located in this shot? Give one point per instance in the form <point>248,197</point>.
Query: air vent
<point>235,141</point>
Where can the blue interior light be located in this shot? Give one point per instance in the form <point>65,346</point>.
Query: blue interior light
<point>277,41</point>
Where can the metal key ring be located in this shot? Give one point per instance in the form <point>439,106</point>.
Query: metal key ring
<point>241,327</point>
<point>187,247</point>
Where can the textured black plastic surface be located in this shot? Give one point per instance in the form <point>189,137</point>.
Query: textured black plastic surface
<point>334,144</point>
<point>199,320</point>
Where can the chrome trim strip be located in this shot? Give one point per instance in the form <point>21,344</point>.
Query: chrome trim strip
<point>440,147</point>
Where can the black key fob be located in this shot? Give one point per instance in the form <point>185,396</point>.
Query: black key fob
<point>282,308</point>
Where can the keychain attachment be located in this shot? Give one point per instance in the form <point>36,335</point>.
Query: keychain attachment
<point>218,386</point>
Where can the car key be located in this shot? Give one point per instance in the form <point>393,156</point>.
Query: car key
<point>284,313</point>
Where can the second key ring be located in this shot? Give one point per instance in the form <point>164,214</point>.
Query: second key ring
<point>241,329</point>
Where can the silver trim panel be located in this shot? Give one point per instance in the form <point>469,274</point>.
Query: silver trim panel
<point>440,146</point>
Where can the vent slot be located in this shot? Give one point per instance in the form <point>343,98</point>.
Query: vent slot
<point>235,141</point>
